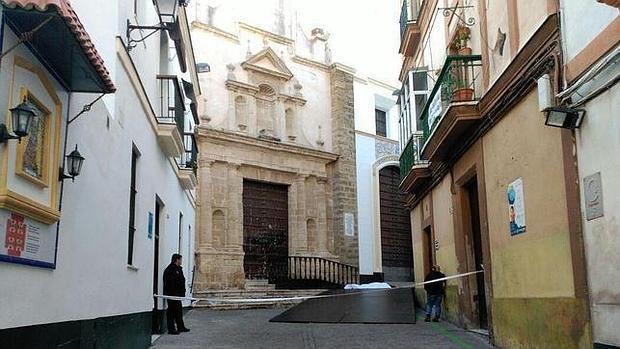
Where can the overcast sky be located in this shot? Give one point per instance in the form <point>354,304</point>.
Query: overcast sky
<point>364,33</point>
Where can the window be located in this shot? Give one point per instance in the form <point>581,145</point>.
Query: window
<point>413,98</point>
<point>380,123</point>
<point>132,204</point>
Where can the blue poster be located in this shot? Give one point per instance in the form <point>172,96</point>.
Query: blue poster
<point>516,207</point>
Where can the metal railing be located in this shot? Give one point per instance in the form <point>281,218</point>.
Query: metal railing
<point>408,14</point>
<point>171,102</point>
<point>458,81</point>
<point>302,268</point>
<point>189,158</point>
<point>411,155</point>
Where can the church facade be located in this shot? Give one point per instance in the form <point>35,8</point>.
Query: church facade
<point>277,165</point>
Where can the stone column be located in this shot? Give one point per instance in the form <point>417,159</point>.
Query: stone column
<point>344,181</point>
<point>205,193</point>
<point>299,216</point>
<point>234,238</point>
<point>231,122</point>
<point>322,215</point>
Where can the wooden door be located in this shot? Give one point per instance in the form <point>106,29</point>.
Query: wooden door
<point>396,249</point>
<point>265,230</point>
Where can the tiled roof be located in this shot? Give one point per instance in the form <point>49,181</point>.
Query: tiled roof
<point>64,9</point>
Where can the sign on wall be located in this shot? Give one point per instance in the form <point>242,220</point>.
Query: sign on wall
<point>26,241</point>
<point>593,192</point>
<point>349,227</point>
<point>516,207</point>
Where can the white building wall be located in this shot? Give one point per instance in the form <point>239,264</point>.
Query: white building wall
<point>577,15</point>
<point>92,278</point>
<point>368,96</point>
<point>596,139</point>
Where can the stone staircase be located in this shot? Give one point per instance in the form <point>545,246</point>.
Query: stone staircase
<point>254,289</point>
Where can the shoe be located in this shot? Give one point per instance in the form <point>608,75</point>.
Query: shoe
<point>174,333</point>
<point>427,319</point>
<point>183,329</point>
<point>436,319</point>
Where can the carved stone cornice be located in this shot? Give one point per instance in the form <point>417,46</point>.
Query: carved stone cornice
<point>222,136</point>
<point>294,99</point>
<point>241,87</point>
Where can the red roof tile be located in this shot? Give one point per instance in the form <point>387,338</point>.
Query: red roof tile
<point>65,10</point>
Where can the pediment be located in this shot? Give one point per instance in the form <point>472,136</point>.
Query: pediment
<point>267,62</point>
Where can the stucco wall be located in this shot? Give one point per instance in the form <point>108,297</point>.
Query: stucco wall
<point>92,278</point>
<point>596,140</point>
<point>533,286</point>
<point>579,14</point>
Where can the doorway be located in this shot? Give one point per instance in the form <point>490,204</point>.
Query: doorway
<point>396,246</point>
<point>265,231</point>
<point>476,254</point>
<point>158,312</point>
<point>427,249</point>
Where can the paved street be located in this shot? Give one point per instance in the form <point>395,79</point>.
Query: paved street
<point>252,329</point>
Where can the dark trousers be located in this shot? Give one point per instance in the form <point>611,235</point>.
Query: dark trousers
<point>174,313</point>
<point>433,301</point>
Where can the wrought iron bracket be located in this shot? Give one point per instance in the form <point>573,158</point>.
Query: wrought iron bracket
<point>453,11</point>
<point>132,43</point>
<point>5,135</point>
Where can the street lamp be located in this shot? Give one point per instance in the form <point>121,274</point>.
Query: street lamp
<point>21,117</point>
<point>73,165</point>
<point>564,117</point>
<point>167,11</point>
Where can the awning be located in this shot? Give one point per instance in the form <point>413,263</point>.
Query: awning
<point>191,94</point>
<point>62,44</point>
<point>174,31</point>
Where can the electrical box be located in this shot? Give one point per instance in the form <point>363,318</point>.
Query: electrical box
<point>545,92</point>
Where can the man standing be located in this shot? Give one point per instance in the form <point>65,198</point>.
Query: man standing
<point>434,293</point>
<point>174,285</point>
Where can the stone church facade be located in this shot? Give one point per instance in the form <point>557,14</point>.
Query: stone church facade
<point>277,153</point>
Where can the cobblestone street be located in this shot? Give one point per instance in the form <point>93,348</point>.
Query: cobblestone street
<point>252,329</point>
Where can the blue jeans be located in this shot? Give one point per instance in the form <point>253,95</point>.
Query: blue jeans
<point>433,301</point>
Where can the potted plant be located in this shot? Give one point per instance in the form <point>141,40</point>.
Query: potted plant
<point>461,41</point>
<point>462,92</point>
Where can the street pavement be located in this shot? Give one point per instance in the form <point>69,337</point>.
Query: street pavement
<point>248,329</point>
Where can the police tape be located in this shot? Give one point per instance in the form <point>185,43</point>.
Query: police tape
<point>302,298</point>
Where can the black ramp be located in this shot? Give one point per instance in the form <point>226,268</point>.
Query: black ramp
<point>390,306</point>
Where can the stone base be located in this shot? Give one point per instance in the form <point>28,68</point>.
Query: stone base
<point>219,270</point>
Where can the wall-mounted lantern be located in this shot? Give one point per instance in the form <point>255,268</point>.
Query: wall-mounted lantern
<point>21,117</point>
<point>73,165</point>
<point>564,117</point>
<point>167,12</point>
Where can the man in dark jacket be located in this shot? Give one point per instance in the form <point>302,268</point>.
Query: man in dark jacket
<point>174,285</point>
<point>434,293</point>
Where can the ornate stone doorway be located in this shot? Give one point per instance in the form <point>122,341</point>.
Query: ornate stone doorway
<point>265,230</point>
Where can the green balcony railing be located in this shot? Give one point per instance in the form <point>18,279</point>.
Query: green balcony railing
<point>408,14</point>
<point>411,155</point>
<point>171,102</point>
<point>458,81</point>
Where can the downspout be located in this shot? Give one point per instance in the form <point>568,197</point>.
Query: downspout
<point>62,183</point>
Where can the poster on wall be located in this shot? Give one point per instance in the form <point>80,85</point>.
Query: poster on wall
<point>516,207</point>
<point>26,241</point>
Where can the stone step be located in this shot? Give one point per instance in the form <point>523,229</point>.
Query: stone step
<point>248,294</point>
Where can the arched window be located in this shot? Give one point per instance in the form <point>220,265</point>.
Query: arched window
<point>291,127</point>
<point>218,224</point>
<point>241,112</point>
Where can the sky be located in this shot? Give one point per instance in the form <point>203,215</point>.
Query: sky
<point>364,34</point>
